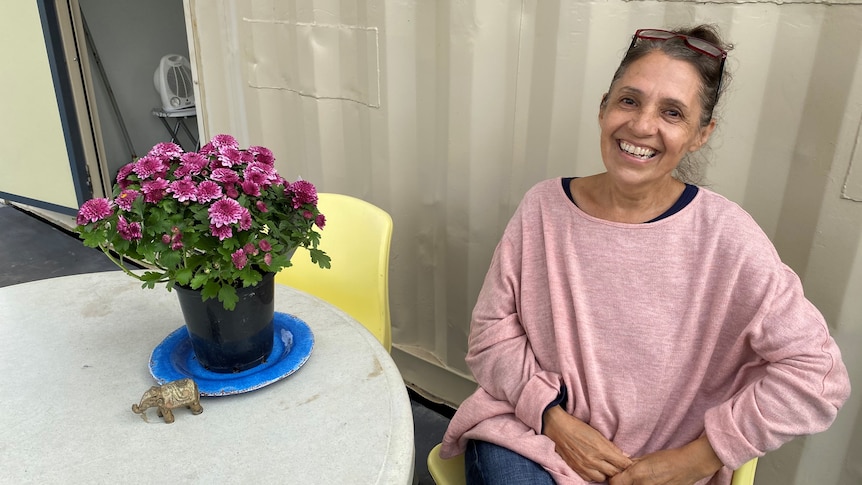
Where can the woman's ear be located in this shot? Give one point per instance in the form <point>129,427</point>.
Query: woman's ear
<point>602,105</point>
<point>703,136</point>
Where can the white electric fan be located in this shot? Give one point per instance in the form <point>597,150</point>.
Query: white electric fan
<point>173,82</point>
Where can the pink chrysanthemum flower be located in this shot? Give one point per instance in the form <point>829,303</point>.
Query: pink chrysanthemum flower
<point>154,190</point>
<point>123,174</point>
<point>208,149</point>
<point>245,220</point>
<point>303,193</point>
<point>94,210</point>
<point>176,239</point>
<point>224,141</point>
<point>320,221</point>
<point>239,259</point>
<point>183,190</point>
<point>222,232</point>
<point>255,177</point>
<point>182,172</point>
<point>307,214</point>
<point>261,206</point>
<point>267,258</point>
<point>166,151</point>
<point>229,156</point>
<point>231,191</point>
<point>264,245</point>
<point>166,238</point>
<point>260,173</point>
<point>250,249</point>
<point>191,163</point>
<point>130,231</point>
<point>224,212</point>
<point>148,166</point>
<point>262,154</point>
<point>250,188</point>
<point>207,191</point>
<point>126,198</point>
<point>225,176</point>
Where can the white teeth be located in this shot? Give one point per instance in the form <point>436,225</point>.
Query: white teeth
<point>636,151</point>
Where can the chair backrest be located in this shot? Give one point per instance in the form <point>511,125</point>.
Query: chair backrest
<point>451,471</point>
<point>356,236</point>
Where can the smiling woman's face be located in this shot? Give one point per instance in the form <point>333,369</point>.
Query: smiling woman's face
<point>650,120</point>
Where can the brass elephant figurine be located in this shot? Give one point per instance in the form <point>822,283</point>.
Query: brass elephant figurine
<point>169,396</point>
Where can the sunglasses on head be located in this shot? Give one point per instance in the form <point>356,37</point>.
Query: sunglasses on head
<point>698,45</point>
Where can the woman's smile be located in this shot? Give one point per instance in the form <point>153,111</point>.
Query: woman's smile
<point>642,153</point>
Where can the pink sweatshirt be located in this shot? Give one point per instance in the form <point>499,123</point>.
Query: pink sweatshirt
<point>659,331</point>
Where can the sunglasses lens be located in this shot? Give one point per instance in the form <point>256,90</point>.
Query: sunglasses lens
<point>655,34</point>
<point>693,42</point>
<point>704,46</point>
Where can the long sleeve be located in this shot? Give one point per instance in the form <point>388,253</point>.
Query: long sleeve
<point>501,356</point>
<point>802,383</point>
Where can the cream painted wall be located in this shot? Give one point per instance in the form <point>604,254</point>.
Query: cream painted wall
<point>446,112</point>
<point>30,131</point>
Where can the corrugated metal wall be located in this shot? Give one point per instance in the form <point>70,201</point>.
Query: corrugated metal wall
<point>446,112</point>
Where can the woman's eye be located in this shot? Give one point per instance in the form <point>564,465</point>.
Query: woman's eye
<point>672,113</point>
<point>627,101</point>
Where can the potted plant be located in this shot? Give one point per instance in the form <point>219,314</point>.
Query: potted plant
<point>218,223</point>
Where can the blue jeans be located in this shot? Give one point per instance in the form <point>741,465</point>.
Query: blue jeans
<point>488,464</point>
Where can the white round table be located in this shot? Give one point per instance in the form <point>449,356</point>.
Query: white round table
<point>74,355</point>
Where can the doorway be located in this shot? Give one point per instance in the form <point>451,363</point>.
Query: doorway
<point>125,41</point>
<point>84,98</point>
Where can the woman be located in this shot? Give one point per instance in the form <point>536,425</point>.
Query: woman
<point>634,328</point>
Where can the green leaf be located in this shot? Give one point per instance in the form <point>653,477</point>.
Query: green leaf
<point>183,276</point>
<point>319,257</point>
<point>199,280</point>
<point>170,259</point>
<point>250,276</point>
<point>280,261</point>
<point>92,239</point>
<point>227,295</point>
<point>151,276</point>
<point>210,290</point>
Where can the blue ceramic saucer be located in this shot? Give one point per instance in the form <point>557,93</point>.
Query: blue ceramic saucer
<point>174,359</point>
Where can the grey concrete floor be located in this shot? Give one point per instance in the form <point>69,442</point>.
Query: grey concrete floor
<point>34,249</point>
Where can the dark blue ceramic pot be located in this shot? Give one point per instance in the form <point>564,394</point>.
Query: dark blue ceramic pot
<point>235,340</point>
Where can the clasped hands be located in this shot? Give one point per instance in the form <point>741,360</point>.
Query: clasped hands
<point>596,459</point>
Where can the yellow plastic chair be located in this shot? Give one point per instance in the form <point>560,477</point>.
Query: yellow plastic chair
<point>744,475</point>
<point>356,236</point>
<point>451,471</point>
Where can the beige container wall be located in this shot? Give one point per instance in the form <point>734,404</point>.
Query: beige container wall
<point>445,112</point>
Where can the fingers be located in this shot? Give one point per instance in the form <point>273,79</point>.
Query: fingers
<point>603,471</point>
<point>618,459</point>
<point>583,448</point>
<point>592,465</point>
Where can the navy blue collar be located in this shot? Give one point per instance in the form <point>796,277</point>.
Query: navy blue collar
<point>684,199</point>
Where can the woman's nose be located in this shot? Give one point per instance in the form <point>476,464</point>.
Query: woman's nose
<point>644,123</point>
